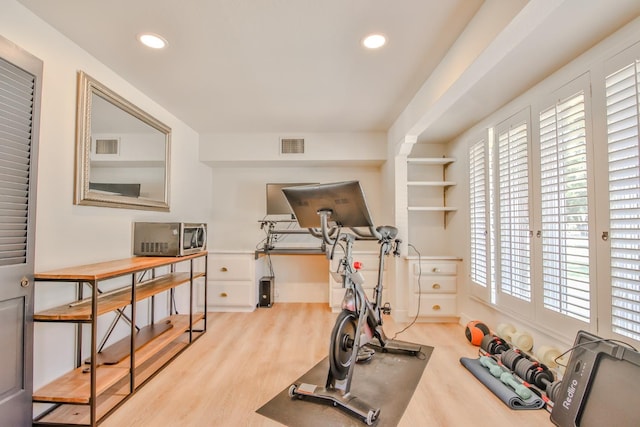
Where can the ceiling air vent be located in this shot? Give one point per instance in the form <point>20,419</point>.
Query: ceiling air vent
<point>107,146</point>
<point>292,146</point>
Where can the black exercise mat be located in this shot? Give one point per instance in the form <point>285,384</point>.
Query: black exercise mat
<point>386,382</point>
<point>500,389</point>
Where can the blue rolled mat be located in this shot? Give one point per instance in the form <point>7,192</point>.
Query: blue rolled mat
<point>500,389</point>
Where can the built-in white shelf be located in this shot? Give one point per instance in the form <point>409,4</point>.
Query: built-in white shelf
<point>422,177</point>
<point>432,209</point>
<point>431,183</point>
<point>434,161</point>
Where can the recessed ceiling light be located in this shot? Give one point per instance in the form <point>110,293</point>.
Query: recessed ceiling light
<point>374,41</point>
<point>153,41</point>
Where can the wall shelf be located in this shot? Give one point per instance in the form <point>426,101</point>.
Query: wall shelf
<point>431,209</point>
<point>423,175</point>
<point>431,183</point>
<point>432,161</point>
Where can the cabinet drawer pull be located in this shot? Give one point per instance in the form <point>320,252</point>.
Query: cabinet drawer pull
<point>223,294</point>
<point>224,269</point>
<point>435,270</point>
<point>436,307</point>
<point>436,286</point>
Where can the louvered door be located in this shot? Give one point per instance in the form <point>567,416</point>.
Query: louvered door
<point>19,103</point>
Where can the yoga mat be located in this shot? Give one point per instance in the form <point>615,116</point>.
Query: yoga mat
<point>386,382</point>
<point>500,389</point>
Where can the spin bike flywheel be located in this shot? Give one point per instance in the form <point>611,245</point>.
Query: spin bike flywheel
<point>341,347</point>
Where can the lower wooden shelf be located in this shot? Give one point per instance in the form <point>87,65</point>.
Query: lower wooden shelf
<point>73,390</point>
<point>70,414</point>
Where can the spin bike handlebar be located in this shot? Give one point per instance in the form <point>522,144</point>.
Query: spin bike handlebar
<point>330,235</point>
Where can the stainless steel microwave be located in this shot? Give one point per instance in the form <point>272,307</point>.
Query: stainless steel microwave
<point>168,238</point>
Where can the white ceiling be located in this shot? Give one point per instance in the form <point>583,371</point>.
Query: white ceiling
<point>298,66</point>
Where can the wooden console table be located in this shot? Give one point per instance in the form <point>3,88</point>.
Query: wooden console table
<point>107,376</point>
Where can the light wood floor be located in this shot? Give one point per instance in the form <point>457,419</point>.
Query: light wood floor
<point>245,359</point>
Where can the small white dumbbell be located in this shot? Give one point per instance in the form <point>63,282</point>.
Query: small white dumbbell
<point>550,356</point>
<point>521,340</point>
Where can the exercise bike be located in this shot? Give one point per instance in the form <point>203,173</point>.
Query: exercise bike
<point>359,324</point>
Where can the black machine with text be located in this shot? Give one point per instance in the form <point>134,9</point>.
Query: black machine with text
<point>601,385</point>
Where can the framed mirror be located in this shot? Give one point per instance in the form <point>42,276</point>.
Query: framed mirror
<point>122,153</point>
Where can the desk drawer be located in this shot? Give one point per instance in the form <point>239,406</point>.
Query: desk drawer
<point>435,284</point>
<point>237,267</point>
<point>230,295</point>
<point>435,306</point>
<point>435,267</point>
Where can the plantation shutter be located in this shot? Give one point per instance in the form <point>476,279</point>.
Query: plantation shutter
<point>478,199</point>
<point>513,212</point>
<point>16,111</point>
<point>564,208</point>
<point>622,94</point>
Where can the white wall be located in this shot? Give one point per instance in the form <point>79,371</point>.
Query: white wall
<point>239,198</point>
<point>335,148</point>
<point>66,234</point>
<point>243,163</point>
<point>239,203</point>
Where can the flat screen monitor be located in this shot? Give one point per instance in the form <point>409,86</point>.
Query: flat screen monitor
<point>345,200</point>
<point>276,202</point>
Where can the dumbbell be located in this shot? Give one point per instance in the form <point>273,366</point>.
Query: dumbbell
<point>537,374</point>
<point>520,389</point>
<point>553,389</point>
<point>549,356</point>
<point>530,371</point>
<point>491,365</point>
<point>511,357</point>
<point>534,373</point>
<point>522,340</point>
<point>505,377</point>
<point>493,344</point>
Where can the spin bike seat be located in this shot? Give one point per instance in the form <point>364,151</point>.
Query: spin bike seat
<point>387,231</point>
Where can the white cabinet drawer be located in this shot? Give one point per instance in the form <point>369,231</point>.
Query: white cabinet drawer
<point>230,268</point>
<point>435,284</point>
<point>425,268</point>
<point>435,306</point>
<point>232,295</point>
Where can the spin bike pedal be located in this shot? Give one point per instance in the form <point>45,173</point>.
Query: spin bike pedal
<point>365,354</point>
<point>402,346</point>
<point>386,308</point>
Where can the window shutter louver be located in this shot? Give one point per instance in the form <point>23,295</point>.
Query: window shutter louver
<point>478,199</point>
<point>564,208</point>
<point>623,93</point>
<point>513,212</point>
<point>16,111</point>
